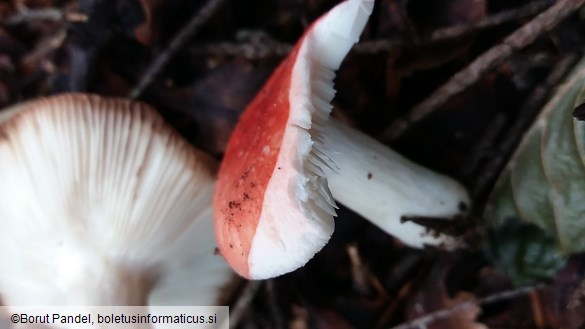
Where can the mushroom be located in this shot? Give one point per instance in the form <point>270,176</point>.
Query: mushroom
<point>287,161</point>
<point>103,204</point>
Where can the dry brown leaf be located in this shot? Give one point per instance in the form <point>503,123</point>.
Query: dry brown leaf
<point>300,318</point>
<point>328,319</point>
<point>145,32</point>
<point>465,319</point>
<point>575,312</point>
<point>433,296</point>
<point>215,101</point>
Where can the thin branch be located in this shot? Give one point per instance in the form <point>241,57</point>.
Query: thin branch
<point>503,17</point>
<point>483,149</point>
<point>525,116</point>
<point>359,272</point>
<point>40,56</point>
<point>538,314</point>
<point>456,31</point>
<point>474,71</point>
<point>274,308</point>
<point>270,48</point>
<point>86,44</point>
<point>49,14</point>
<point>248,50</point>
<point>177,43</point>
<point>241,306</point>
<point>421,322</point>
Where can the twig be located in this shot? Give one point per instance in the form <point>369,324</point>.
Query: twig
<point>406,276</point>
<point>86,44</point>
<point>275,311</point>
<point>248,50</point>
<point>269,48</point>
<point>484,147</point>
<point>473,72</point>
<point>49,14</point>
<point>530,9</point>
<point>526,116</point>
<point>241,306</point>
<point>422,321</point>
<point>359,272</point>
<point>537,313</point>
<point>180,39</point>
<point>403,293</point>
<point>456,31</point>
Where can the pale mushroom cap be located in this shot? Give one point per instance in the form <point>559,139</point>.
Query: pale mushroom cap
<point>96,195</point>
<point>273,209</point>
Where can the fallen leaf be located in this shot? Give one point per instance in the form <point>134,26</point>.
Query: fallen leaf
<point>433,296</point>
<point>146,32</point>
<point>329,319</point>
<point>300,318</point>
<point>575,313</point>
<point>215,101</point>
<point>541,191</point>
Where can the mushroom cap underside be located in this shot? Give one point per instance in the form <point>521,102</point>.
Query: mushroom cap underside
<point>97,189</point>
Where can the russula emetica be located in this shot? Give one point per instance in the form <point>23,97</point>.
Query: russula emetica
<point>287,161</point>
<point>103,204</point>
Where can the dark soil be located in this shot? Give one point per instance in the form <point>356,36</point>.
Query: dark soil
<point>363,278</point>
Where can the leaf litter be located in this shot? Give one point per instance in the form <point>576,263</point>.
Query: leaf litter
<point>51,46</point>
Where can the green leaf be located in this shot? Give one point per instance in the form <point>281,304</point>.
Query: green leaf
<point>524,251</point>
<point>536,213</point>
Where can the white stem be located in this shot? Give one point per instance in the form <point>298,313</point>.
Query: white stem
<point>382,186</point>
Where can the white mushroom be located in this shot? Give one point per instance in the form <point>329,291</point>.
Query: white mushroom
<point>102,203</point>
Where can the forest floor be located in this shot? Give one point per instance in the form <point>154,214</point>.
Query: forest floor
<point>451,84</point>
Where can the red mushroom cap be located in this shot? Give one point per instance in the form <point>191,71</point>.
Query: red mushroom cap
<point>273,208</point>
